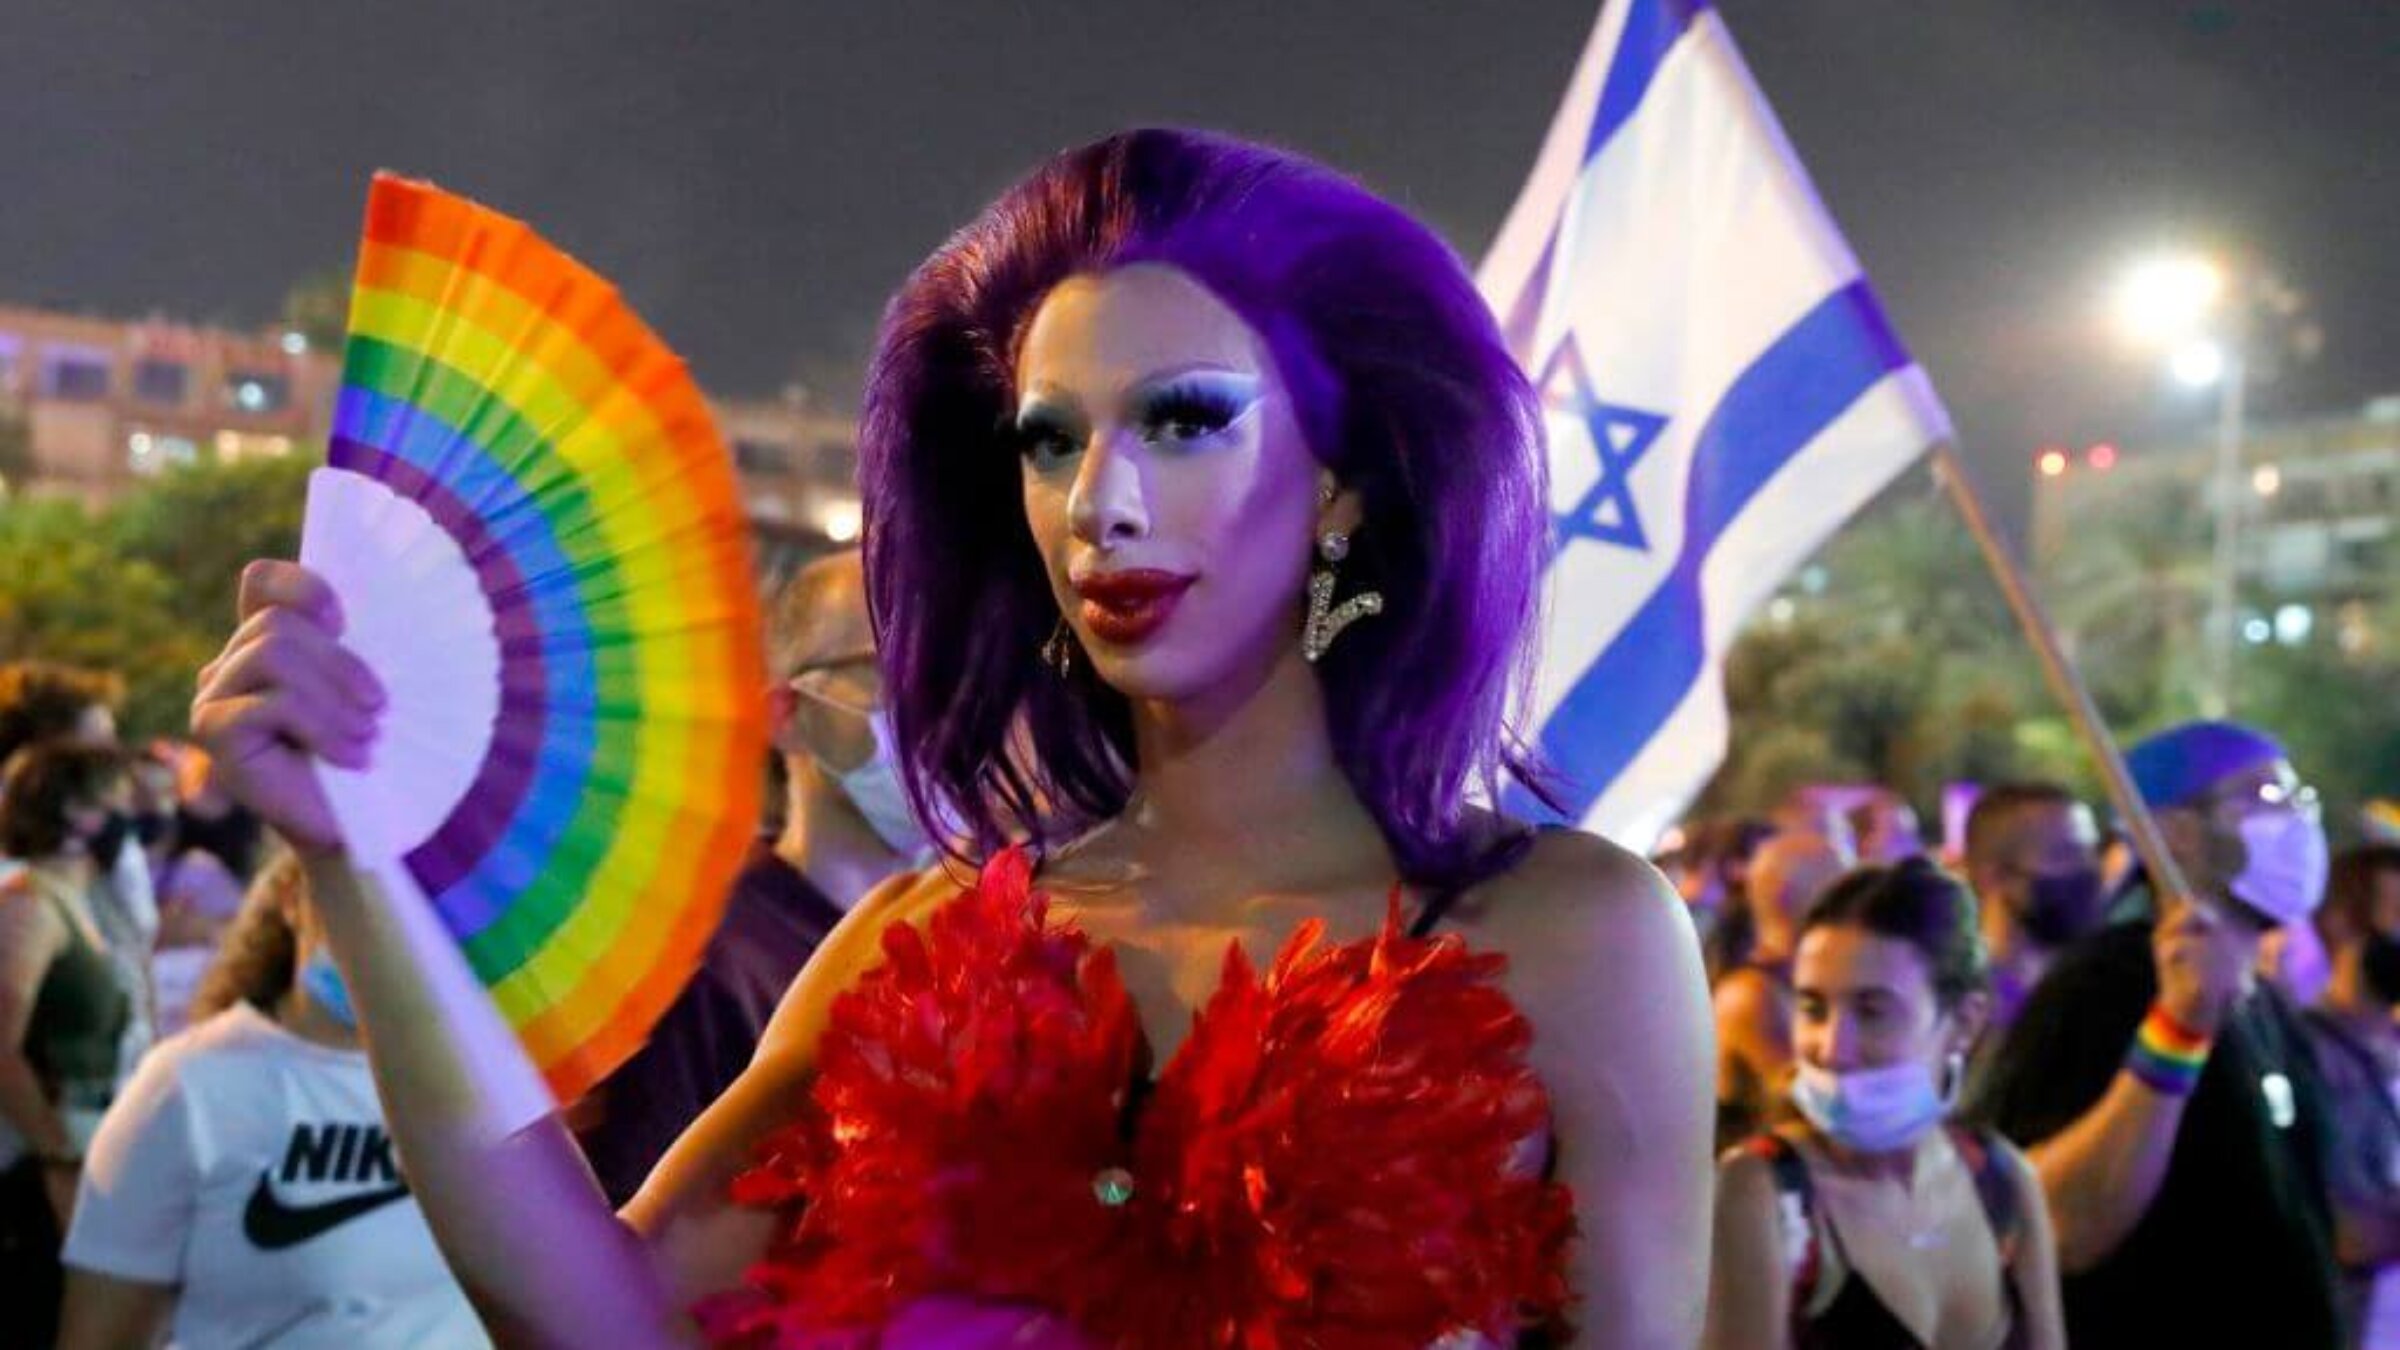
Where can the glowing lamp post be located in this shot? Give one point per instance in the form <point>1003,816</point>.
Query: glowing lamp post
<point>2182,306</point>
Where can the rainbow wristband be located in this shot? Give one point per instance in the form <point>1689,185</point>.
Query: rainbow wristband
<point>2167,1055</point>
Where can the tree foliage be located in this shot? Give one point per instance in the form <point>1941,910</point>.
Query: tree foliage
<point>1904,666</point>
<point>318,308</point>
<point>16,451</point>
<point>200,525</point>
<point>144,588</point>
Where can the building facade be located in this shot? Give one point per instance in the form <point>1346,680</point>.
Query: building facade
<point>107,403</point>
<point>2318,548</point>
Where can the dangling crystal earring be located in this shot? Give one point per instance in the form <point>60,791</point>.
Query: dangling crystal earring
<point>1325,619</point>
<point>1058,650</point>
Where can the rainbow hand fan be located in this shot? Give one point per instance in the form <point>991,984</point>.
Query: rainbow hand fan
<point>537,540</point>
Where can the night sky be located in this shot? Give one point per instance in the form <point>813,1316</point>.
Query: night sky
<point>758,176</point>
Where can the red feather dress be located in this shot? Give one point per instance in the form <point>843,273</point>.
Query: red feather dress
<point>1334,1158</point>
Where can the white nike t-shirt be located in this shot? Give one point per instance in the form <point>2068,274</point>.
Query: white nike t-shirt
<point>250,1169</point>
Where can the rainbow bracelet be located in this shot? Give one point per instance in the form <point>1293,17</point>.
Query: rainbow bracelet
<point>2167,1055</point>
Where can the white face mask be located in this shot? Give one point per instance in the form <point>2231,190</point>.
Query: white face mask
<point>1872,1110</point>
<point>876,790</point>
<point>2284,877</point>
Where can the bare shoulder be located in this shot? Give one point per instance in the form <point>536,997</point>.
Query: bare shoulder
<point>854,947</point>
<point>700,1239</point>
<point>1582,891</point>
<point>1745,1183</point>
<point>23,916</point>
<point>1604,963</point>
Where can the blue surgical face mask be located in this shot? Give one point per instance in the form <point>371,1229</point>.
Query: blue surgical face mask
<point>2284,868</point>
<point>876,790</point>
<point>323,981</point>
<point>1872,1110</point>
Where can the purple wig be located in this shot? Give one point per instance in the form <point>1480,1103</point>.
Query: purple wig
<point>1401,386</point>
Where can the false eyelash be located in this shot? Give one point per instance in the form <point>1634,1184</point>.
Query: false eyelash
<point>1195,404</point>
<point>1029,437</point>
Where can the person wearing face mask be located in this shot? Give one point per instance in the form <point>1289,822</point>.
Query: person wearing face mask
<point>45,701</point>
<point>2032,855</point>
<point>2357,1045</point>
<point>846,826</point>
<point>1753,1000</point>
<point>62,1009</point>
<point>2166,1094</point>
<point>243,1189</point>
<point>1869,1222</point>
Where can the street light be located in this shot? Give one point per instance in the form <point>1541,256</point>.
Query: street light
<point>2198,364</point>
<point>2166,299</point>
<point>2186,306</point>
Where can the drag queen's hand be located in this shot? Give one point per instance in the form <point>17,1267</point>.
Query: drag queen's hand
<point>281,693</point>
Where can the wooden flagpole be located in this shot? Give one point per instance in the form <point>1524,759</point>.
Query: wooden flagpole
<point>2148,843</point>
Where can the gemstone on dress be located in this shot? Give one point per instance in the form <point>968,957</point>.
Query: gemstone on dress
<point>1112,1186</point>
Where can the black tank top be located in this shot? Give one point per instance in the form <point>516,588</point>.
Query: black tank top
<point>1857,1319</point>
<point>79,1011</point>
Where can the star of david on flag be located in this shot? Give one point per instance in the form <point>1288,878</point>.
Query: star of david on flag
<point>1721,390</point>
<point>1606,512</point>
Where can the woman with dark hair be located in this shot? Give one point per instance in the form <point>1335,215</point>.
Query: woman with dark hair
<point>62,1008</point>
<point>1869,1222</point>
<point>242,1190</point>
<point>1204,519</point>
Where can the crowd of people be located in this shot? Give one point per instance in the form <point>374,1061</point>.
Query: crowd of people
<point>1988,1097</point>
<point>2005,1092</point>
<point>1223,1014</point>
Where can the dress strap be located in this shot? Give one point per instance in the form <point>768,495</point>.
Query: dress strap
<point>1796,1205</point>
<point>1436,907</point>
<point>1499,858</point>
<point>1993,1186</point>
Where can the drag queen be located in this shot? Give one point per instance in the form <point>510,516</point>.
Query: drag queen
<point>1204,519</point>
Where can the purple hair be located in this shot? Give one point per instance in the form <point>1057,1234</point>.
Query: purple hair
<point>1401,386</point>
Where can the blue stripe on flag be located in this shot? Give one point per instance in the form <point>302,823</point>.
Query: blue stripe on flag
<point>1773,411</point>
<point>1652,29</point>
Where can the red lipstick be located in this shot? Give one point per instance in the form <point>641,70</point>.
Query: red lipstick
<point>1126,608</point>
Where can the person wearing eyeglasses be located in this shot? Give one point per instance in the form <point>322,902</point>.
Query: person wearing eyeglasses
<point>2166,1095</point>
<point>845,827</point>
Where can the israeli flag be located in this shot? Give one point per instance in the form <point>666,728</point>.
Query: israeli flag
<point>1722,391</point>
